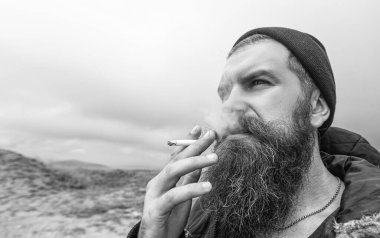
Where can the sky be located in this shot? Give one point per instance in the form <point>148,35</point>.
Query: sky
<point>111,81</point>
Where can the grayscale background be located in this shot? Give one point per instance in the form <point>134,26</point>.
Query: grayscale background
<point>110,82</point>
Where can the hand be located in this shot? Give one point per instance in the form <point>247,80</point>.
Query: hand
<point>167,201</point>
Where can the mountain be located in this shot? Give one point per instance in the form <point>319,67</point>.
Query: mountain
<point>76,164</point>
<point>22,175</point>
<point>67,199</point>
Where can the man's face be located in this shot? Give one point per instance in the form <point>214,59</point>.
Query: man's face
<point>257,80</point>
<point>260,170</point>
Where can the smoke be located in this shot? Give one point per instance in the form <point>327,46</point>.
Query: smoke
<point>224,123</point>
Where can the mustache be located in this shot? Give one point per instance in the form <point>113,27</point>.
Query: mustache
<point>256,127</point>
<point>270,132</point>
<point>241,122</point>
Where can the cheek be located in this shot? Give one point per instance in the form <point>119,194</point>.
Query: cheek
<point>278,104</point>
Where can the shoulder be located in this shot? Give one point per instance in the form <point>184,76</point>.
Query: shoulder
<point>362,186</point>
<point>344,142</point>
<point>359,212</point>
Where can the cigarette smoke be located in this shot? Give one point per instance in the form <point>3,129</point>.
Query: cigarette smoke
<point>224,123</point>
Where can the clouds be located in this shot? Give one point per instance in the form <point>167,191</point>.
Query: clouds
<point>111,82</point>
<point>60,132</point>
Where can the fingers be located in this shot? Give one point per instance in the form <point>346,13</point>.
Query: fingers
<point>192,177</point>
<point>198,147</point>
<point>171,173</point>
<point>163,198</point>
<point>181,194</point>
<point>193,135</point>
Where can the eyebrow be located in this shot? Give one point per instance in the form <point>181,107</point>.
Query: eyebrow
<point>258,73</point>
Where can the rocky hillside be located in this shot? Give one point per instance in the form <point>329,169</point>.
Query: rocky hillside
<point>37,200</point>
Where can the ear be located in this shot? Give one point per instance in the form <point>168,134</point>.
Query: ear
<point>320,111</point>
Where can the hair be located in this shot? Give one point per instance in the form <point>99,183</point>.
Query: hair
<point>307,84</point>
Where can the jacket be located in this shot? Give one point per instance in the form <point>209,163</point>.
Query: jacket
<point>346,155</point>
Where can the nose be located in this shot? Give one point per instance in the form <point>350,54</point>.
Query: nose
<point>235,102</point>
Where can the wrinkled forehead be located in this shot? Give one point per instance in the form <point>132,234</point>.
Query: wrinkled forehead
<point>266,55</point>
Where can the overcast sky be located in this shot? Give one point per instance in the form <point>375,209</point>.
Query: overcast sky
<point>111,81</point>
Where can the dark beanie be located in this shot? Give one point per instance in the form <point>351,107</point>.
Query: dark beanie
<point>313,57</point>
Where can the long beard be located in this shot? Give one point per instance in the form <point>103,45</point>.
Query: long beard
<point>259,175</point>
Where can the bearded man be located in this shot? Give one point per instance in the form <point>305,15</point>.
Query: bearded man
<point>267,176</point>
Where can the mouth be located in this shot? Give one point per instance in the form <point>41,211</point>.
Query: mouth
<point>237,132</point>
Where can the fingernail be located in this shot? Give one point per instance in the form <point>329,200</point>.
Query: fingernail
<point>208,134</point>
<point>195,129</point>
<point>212,157</point>
<point>206,185</point>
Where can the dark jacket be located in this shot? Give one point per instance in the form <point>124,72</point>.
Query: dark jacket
<point>356,163</point>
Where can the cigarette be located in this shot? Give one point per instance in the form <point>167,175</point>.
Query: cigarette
<point>181,142</point>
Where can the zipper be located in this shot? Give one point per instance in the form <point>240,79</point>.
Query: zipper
<point>215,224</point>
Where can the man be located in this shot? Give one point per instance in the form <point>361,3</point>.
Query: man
<point>268,176</point>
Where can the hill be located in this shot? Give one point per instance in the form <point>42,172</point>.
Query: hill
<point>76,164</point>
<point>39,200</point>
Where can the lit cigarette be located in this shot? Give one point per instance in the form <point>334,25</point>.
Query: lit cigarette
<point>181,142</point>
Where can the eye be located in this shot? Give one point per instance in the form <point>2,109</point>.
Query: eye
<point>257,82</point>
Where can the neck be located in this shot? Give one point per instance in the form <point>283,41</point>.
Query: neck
<point>318,189</point>
<point>319,183</point>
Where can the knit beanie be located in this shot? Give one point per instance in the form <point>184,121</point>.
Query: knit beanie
<point>313,57</point>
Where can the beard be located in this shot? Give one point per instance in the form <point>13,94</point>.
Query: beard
<point>259,174</point>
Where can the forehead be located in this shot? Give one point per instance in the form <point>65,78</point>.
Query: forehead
<point>266,55</point>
